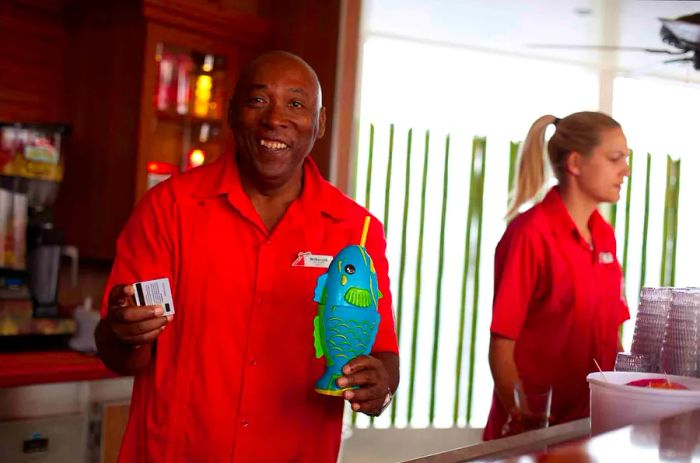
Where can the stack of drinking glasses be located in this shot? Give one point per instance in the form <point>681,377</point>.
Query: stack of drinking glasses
<point>679,353</point>
<point>654,306</point>
<point>633,362</point>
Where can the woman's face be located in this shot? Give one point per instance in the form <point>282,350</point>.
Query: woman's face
<point>601,174</point>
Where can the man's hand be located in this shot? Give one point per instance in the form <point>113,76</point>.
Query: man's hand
<point>131,324</point>
<point>372,379</point>
<point>125,329</point>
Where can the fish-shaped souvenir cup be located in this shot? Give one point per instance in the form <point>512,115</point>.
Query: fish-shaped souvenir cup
<point>347,320</point>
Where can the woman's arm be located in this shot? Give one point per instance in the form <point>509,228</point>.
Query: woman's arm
<point>503,369</point>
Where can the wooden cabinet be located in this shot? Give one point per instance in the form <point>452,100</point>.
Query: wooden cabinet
<point>112,74</point>
<point>32,40</point>
<point>92,65</point>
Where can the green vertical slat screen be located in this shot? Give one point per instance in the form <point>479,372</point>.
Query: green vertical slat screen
<point>626,231</point>
<point>368,192</point>
<point>463,297</point>
<point>663,280</point>
<point>512,159</point>
<point>419,269</point>
<point>676,195</point>
<point>370,159</point>
<point>387,192</point>
<point>438,290</point>
<point>387,186</point>
<point>474,215</point>
<point>645,226</point>
<point>470,279</point>
<point>402,258</point>
<point>670,230</point>
<point>628,202</point>
<point>479,170</point>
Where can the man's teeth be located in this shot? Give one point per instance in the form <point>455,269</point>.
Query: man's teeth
<point>273,145</point>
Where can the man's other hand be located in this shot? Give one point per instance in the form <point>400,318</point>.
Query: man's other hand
<point>372,379</point>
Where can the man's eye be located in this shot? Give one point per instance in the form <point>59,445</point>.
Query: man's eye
<point>256,100</point>
<point>296,104</point>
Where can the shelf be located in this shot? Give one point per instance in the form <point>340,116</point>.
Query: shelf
<point>187,118</point>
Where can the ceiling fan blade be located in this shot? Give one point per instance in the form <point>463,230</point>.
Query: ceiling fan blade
<point>678,60</point>
<point>686,29</point>
<point>604,48</point>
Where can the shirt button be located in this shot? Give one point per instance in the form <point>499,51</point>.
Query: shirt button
<point>261,301</point>
<point>253,362</point>
<point>245,423</point>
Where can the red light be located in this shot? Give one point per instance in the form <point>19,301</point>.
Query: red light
<point>196,158</point>
<point>155,167</point>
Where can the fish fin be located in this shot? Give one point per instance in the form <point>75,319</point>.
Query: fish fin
<point>317,337</point>
<point>358,297</point>
<point>320,286</point>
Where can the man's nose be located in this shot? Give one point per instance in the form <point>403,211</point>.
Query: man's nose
<point>275,115</point>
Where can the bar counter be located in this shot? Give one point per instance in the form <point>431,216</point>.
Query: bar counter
<point>27,368</point>
<point>669,439</point>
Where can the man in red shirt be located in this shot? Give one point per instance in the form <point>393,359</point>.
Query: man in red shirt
<point>230,377</point>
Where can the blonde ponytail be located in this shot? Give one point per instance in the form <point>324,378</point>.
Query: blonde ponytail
<point>578,132</point>
<point>532,172</point>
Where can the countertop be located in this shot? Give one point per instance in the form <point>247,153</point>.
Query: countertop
<point>26,368</point>
<point>669,439</point>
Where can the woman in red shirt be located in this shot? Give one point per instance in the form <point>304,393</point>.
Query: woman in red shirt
<point>558,294</point>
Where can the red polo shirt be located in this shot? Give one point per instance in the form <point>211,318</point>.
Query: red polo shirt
<point>232,377</point>
<point>561,301</point>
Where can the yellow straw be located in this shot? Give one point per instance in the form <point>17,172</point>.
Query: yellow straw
<point>365,229</point>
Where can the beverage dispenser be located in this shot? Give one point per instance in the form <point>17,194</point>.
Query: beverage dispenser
<point>31,170</point>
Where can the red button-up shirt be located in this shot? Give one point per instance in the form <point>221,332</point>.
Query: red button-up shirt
<point>562,302</point>
<point>232,376</point>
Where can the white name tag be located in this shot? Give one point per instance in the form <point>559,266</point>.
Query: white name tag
<point>307,259</point>
<point>155,292</point>
<point>605,258</point>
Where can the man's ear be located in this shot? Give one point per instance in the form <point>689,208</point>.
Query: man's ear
<point>321,122</point>
<point>573,163</point>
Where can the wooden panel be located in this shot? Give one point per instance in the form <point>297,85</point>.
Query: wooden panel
<point>343,140</point>
<point>212,18</point>
<point>32,41</point>
<point>104,75</point>
<point>310,29</point>
<point>114,420</point>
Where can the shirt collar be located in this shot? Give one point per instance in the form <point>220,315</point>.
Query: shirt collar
<point>317,195</point>
<point>561,221</point>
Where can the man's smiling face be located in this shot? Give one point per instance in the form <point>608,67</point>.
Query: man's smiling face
<point>276,116</point>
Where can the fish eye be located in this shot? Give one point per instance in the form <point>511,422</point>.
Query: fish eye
<point>349,269</point>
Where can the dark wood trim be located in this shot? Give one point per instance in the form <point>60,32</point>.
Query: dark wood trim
<point>344,140</point>
<point>222,23</point>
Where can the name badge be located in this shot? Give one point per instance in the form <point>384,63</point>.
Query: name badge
<point>605,258</point>
<point>307,259</point>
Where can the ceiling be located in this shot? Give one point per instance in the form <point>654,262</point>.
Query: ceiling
<point>511,26</point>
